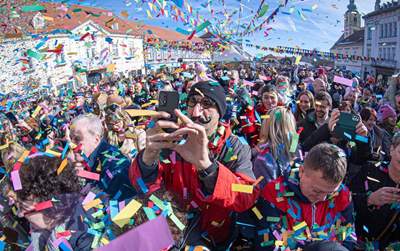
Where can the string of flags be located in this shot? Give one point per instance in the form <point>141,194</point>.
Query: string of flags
<point>313,53</point>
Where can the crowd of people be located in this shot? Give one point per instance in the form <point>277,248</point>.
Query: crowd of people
<point>259,158</point>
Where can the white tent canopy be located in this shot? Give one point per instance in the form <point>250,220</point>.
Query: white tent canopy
<point>233,54</point>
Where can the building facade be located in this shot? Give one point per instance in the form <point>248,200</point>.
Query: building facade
<point>382,39</point>
<point>76,45</point>
<point>351,42</point>
<point>71,50</point>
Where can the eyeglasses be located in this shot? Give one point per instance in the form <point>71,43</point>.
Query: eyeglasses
<point>112,108</point>
<point>206,103</point>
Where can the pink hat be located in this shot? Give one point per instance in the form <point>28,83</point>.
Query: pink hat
<point>386,111</point>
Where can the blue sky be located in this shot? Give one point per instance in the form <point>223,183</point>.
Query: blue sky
<point>317,29</point>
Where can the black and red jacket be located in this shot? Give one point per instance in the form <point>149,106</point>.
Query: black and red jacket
<point>284,209</point>
<point>211,196</point>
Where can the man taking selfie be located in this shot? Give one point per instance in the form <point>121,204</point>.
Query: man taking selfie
<point>198,162</point>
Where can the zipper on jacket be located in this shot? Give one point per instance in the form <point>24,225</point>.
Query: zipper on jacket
<point>313,216</point>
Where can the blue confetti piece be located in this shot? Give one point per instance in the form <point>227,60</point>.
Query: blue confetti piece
<point>109,40</point>
<point>151,124</point>
<point>2,245</point>
<point>142,185</point>
<point>64,152</point>
<point>243,140</point>
<point>347,135</point>
<point>117,195</point>
<point>361,138</point>
<point>64,247</point>
<point>113,208</point>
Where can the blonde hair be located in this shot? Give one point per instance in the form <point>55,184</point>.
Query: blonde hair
<point>278,130</point>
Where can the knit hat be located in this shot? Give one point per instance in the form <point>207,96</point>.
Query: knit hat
<point>213,91</point>
<point>386,111</point>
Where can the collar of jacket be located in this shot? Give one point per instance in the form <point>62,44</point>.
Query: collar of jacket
<point>219,138</point>
<point>103,146</point>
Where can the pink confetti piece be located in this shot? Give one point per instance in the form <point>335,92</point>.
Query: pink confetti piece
<point>89,197</point>
<point>16,180</point>
<point>173,157</point>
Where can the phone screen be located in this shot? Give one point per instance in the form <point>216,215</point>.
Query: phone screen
<point>168,101</point>
<point>346,126</point>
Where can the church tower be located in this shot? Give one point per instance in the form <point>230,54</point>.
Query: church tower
<point>352,20</point>
<point>377,4</point>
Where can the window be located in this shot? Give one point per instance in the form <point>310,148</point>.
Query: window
<point>394,29</point>
<point>381,29</point>
<point>88,53</point>
<point>93,52</point>
<point>393,53</point>
<point>368,52</point>
<point>380,52</point>
<point>369,35</point>
<point>384,53</point>
<point>390,30</point>
<point>115,49</point>
<point>386,31</point>
<point>114,26</point>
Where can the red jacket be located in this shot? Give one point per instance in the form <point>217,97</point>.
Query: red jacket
<point>249,126</point>
<point>182,178</point>
<point>281,199</point>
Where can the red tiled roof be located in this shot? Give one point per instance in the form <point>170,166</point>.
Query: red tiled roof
<point>77,15</point>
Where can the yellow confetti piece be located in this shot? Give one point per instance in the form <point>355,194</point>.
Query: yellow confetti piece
<point>140,113</point>
<point>298,58</point>
<point>57,154</point>
<point>278,243</point>
<point>2,147</point>
<point>300,226</point>
<point>48,18</point>
<point>62,166</point>
<point>265,116</point>
<point>91,204</point>
<point>123,217</point>
<point>104,241</point>
<point>257,213</point>
<point>23,156</point>
<point>242,188</point>
<point>36,111</point>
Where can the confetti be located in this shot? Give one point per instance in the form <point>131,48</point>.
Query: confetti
<point>242,188</point>
<point>88,175</point>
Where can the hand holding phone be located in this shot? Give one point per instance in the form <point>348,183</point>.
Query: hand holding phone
<point>346,126</point>
<point>168,101</point>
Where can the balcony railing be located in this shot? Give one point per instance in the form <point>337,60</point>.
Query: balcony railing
<point>385,63</point>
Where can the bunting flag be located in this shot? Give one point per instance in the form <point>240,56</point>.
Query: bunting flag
<point>314,53</point>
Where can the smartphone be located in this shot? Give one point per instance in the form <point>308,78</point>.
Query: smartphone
<point>168,101</point>
<point>12,118</point>
<point>346,126</point>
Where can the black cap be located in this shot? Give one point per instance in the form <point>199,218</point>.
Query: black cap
<point>212,90</point>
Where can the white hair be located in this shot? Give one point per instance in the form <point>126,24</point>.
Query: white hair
<point>93,123</point>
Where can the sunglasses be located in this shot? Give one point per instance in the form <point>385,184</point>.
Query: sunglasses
<point>112,108</point>
<point>206,103</point>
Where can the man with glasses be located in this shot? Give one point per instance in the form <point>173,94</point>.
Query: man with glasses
<point>309,204</point>
<point>318,117</point>
<point>198,162</point>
